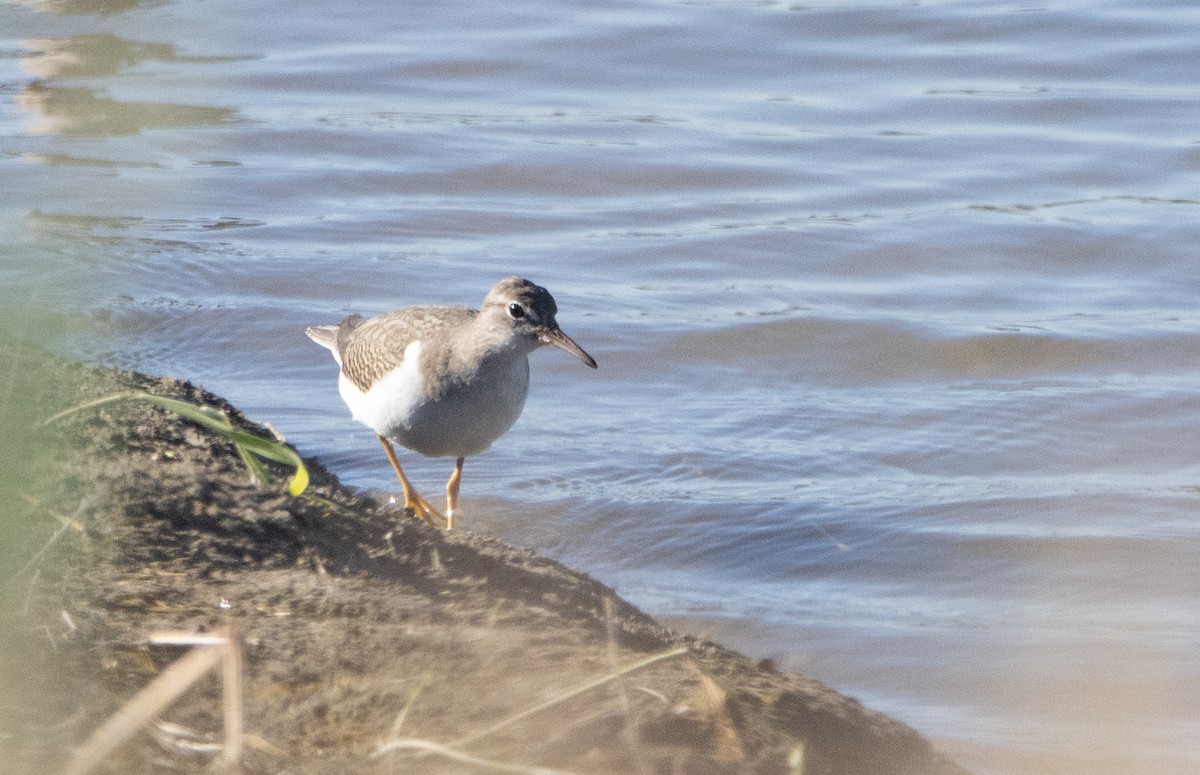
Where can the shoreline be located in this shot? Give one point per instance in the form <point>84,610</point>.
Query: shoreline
<point>361,626</point>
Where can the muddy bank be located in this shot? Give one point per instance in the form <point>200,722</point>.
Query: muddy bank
<point>360,626</point>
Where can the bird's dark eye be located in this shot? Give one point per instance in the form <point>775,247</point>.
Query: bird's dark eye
<point>516,310</point>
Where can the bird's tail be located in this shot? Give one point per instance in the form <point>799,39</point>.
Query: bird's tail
<point>326,336</point>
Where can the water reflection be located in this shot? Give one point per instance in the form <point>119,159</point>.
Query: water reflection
<point>89,56</point>
<point>73,110</point>
<point>79,110</point>
<point>85,7</point>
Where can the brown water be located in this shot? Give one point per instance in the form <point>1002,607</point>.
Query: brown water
<point>896,305</point>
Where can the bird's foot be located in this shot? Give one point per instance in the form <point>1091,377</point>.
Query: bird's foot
<point>420,508</point>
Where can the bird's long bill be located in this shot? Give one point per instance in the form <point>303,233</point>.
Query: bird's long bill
<point>556,337</point>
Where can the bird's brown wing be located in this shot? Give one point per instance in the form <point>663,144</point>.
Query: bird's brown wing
<point>373,347</point>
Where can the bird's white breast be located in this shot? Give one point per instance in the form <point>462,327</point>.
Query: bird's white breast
<point>464,420</point>
<point>389,402</point>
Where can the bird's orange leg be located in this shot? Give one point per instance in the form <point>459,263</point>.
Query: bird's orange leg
<point>452,493</point>
<point>412,499</point>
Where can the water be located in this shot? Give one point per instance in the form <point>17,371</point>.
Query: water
<point>895,305</point>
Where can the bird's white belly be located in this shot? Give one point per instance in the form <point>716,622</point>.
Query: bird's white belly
<point>391,399</point>
<point>463,421</point>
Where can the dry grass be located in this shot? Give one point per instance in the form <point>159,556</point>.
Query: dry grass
<point>208,653</point>
<point>223,652</point>
<point>474,737</point>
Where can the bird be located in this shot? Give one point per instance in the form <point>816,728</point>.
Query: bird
<point>444,380</point>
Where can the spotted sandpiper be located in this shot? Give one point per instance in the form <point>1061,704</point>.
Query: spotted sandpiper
<point>444,380</point>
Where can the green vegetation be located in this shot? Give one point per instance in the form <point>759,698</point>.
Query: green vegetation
<point>249,446</point>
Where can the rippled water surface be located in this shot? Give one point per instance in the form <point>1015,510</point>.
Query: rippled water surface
<point>896,305</point>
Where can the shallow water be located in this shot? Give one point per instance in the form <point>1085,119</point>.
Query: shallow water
<point>895,305</point>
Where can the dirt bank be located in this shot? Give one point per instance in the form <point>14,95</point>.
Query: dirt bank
<point>360,626</point>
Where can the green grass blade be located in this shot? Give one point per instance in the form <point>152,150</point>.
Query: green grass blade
<point>101,401</point>
<point>299,482</point>
<point>258,471</point>
<point>211,418</point>
<point>216,421</point>
<point>273,450</point>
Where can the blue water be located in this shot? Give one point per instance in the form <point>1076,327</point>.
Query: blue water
<point>895,305</point>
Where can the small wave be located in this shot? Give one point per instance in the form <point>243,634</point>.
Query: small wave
<point>847,351</point>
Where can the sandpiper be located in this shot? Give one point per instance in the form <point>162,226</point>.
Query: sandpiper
<point>444,380</point>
